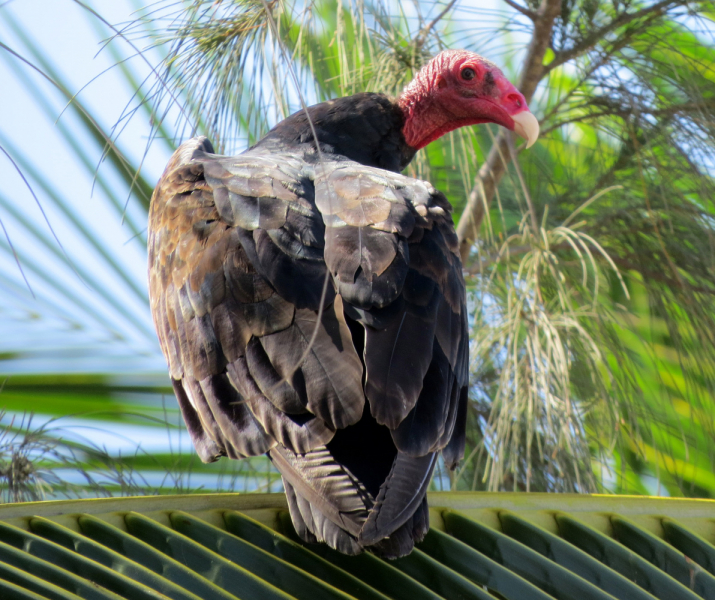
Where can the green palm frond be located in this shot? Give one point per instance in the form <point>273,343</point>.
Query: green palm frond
<point>591,276</point>
<point>479,546</point>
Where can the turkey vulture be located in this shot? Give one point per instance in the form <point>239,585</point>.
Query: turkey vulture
<point>309,300</point>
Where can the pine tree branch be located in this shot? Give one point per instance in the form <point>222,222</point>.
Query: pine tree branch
<point>424,33</point>
<point>493,169</point>
<point>523,10</point>
<point>667,111</point>
<point>597,35</point>
<point>660,275</point>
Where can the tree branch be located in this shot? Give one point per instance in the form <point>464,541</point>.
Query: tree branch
<point>422,35</point>
<point>596,36</point>
<point>494,167</point>
<point>523,10</point>
<point>684,108</point>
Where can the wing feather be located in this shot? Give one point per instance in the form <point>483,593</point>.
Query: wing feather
<point>242,434</point>
<point>287,395</point>
<point>397,358</point>
<point>331,371</point>
<point>300,432</point>
<point>453,451</point>
<point>206,447</point>
<point>286,294</point>
<point>300,282</point>
<point>421,430</point>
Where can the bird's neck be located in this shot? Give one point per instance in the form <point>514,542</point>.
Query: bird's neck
<point>426,119</point>
<point>366,128</point>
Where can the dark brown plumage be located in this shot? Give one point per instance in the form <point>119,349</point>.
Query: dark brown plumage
<point>352,397</point>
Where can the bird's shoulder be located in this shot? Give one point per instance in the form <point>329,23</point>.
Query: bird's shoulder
<point>295,298</point>
<point>364,127</point>
<point>248,253</point>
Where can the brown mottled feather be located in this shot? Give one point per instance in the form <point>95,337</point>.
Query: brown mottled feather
<point>266,356</point>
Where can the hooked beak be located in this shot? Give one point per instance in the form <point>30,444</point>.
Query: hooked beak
<point>527,126</point>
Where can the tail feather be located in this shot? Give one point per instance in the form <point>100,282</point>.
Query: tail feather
<point>327,486</point>
<point>307,520</point>
<point>313,527</point>
<point>403,540</point>
<point>329,504</point>
<point>400,496</point>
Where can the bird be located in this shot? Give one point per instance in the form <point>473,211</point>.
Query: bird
<point>310,302</point>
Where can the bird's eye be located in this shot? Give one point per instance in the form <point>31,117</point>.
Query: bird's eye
<point>468,74</point>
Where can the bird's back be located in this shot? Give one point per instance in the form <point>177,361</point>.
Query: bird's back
<point>313,307</point>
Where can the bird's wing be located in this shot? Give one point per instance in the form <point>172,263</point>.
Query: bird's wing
<point>236,278</point>
<point>268,277</point>
<point>392,250</point>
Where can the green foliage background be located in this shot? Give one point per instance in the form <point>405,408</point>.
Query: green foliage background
<point>590,265</point>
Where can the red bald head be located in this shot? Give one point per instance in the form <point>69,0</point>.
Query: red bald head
<point>458,88</point>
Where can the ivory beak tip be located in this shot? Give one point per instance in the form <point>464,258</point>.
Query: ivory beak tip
<point>527,126</point>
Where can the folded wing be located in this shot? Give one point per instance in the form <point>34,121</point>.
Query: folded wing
<point>286,294</point>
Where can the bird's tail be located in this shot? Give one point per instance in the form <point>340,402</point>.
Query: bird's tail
<point>329,504</point>
<point>307,520</point>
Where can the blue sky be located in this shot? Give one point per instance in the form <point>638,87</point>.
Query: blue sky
<point>69,325</point>
<point>79,330</point>
<point>70,37</point>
